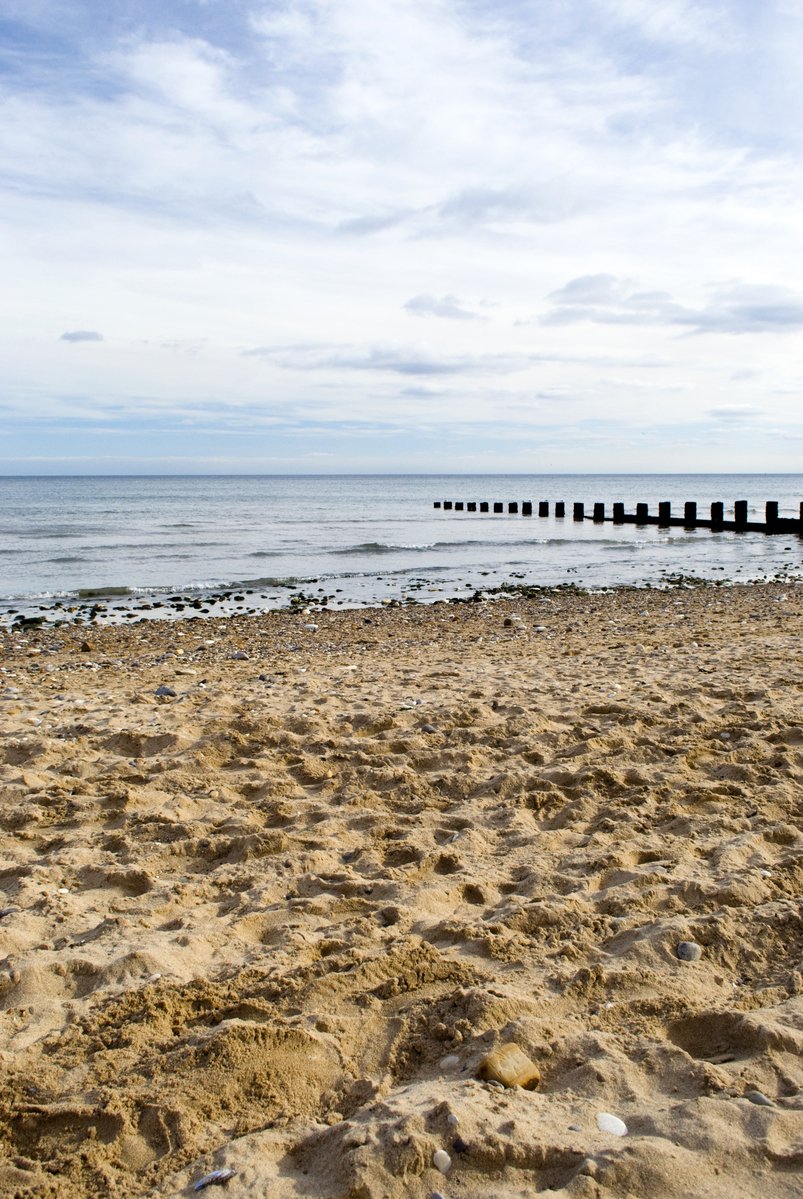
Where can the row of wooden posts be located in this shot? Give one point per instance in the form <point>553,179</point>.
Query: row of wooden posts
<point>772,523</point>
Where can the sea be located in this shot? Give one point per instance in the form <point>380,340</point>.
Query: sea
<point>171,546</point>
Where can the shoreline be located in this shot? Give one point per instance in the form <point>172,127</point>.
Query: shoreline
<point>113,606</point>
<point>271,892</point>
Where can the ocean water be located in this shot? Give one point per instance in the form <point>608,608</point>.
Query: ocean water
<point>362,539</point>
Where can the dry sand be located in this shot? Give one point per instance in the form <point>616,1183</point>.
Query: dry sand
<point>274,922</point>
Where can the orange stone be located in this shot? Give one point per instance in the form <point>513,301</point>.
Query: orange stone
<point>510,1065</point>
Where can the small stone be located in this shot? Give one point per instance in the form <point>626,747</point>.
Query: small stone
<point>608,1123</point>
<point>164,691</point>
<point>460,1146</point>
<point>450,1061</point>
<point>216,1178</point>
<point>510,1065</point>
<point>436,1195</point>
<point>86,647</point>
<point>689,951</point>
<point>575,1128</point>
<point>428,728</point>
<point>441,1161</point>
<point>239,656</point>
<point>311,627</point>
<point>758,1098</point>
<point>450,1119</point>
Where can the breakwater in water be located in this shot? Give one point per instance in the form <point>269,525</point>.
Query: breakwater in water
<point>773,522</point>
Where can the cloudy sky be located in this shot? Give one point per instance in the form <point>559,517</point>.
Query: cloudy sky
<point>407,235</point>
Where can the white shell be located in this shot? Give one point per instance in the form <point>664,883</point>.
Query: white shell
<point>441,1161</point>
<point>608,1123</point>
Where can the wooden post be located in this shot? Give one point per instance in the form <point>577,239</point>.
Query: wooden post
<point>618,514</point>
<point>579,512</point>
<point>437,504</point>
<point>512,507</point>
<point>484,506</point>
<point>717,516</point>
<point>458,506</point>
<point>526,508</point>
<point>690,514</point>
<point>642,513</point>
<point>800,530</point>
<point>664,513</point>
<point>447,503</point>
<point>543,508</point>
<point>471,506</point>
<point>560,508</point>
<point>499,507</point>
<point>599,512</point>
<point>771,511</point>
<point>740,514</point>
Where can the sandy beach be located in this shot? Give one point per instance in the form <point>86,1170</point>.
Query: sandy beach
<point>273,887</point>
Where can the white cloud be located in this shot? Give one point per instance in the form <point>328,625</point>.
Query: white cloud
<point>398,360</point>
<point>279,175</point>
<point>81,335</point>
<point>676,22</point>
<point>736,308</point>
<point>448,307</point>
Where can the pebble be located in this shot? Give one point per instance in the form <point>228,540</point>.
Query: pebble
<point>575,1128</point>
<point>758,1098</point>
<point>689,951</point>
<point>452,1119</point>
<point>450,1061</point>
<point>608,1123</point>
<point>239,656</point>
<point>217,1176</point>
<point>311,627</point>
<point>441,1161</point>
<point>162,690</point>
<point>428,728</point>
<point>510,1065</point>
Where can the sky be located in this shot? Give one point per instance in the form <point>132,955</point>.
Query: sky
<point>336,236</point>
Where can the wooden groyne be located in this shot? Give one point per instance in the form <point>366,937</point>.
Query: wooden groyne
<point>734,521</point>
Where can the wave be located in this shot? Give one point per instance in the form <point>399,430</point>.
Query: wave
<point>384,547</point>
<point>102,592</point>
<point>156,543</point>
<point>389,547</point>
<point>50,532</point>
<point>68,558</point>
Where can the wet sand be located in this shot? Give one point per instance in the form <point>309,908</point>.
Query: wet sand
<point>273,921</point>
